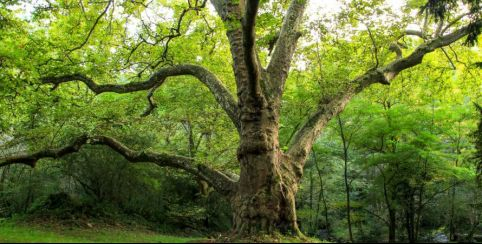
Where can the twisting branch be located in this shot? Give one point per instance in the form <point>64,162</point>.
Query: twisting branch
<point>174,32</point>
<point>220,92</point>
<point>31,159</point>
<point>152,105</point>
<point>415,58</point>
<point>217,179</point>
<point>304,138</point>
<point>92,28</point>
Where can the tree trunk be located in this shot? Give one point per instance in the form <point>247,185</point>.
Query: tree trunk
<point>345,176</point>
<point>392,214</point>
<point>392,227</point>
<point>410,220</point>
<point>265,198</point>
<point>321,196</point>
<point>312,221</point>
<point>452,215</point>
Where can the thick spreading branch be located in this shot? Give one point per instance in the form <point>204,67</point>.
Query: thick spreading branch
<point>220,92</point>
<point>280,63</point>
<point>391,70</point>
<point>231,14</point>
<point>249,40</point>
<point>218,180</point>
<point>304,138</point>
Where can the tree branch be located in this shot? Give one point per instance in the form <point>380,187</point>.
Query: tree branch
<point>304,138</point>
<point>374,44</point>
<point>152,105</point>
<point>220,92</point>
<point>230,12</point>
<point>174,32</point>
<point>453,22</point>
<point>414,33</point>
<point>280,63</point>
<point>448,58</point>
<point>249,40</point>
<point>92,28</point>
<point>218,180</point>
<point>415,58</point>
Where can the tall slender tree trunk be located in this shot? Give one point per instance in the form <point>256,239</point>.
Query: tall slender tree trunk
<point>348,205</point>
<point>452,214</point>
<point>392,227</point>
<point>321,194</point>
<point>392,214</point>
<point>312,221</point>
<point>410,218</point>
<point>452,227</point>
<point>420,205</point>
<point>345,176</point>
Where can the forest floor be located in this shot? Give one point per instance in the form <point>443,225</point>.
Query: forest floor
<point>29,232</point>
<point>37,230</point>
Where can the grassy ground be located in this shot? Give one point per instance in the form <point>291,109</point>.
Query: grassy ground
<point>14,231</point>
<point>23,230</point>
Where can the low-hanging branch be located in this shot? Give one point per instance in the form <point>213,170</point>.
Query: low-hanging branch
<point>220,181</point>
<point>304,138</point>
<point>220,92</point>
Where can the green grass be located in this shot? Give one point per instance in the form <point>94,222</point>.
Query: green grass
<point>21,232</point>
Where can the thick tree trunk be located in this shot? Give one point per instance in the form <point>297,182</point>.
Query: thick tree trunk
<point>265,198</point>
<point>266,205</point>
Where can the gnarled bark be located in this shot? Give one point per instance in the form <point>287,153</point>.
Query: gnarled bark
<point>265,201</point>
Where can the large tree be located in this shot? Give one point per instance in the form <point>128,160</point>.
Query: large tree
<point>263,195</point>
